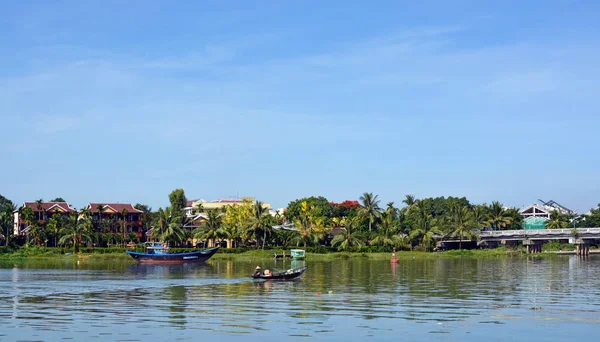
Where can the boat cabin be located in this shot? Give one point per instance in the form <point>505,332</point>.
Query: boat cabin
<point>156,248</point>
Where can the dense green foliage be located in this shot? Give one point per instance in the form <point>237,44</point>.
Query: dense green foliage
<point>365,225</point>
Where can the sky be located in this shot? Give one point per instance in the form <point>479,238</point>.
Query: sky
<point>112,101</point>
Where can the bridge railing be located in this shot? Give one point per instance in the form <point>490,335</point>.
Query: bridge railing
<point>538,232</point>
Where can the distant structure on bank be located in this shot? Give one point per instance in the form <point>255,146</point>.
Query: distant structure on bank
<point>196,210</point>
<point>535,215</point>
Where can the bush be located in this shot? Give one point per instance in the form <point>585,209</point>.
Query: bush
<point>557,246</point>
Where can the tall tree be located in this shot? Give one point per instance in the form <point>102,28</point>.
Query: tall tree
<point>389,233</point>
<point>210,229</point>
<point>425,230</point>
<point>236,218</point>
<point>370,207</point>
<point>178,202</point>
<point>462,224</point>
<point>350,235</point>
<point>410,201</point>
<point>498,218</point>
<point>40,209</point>
<point>58,199</point>
<point>124,213</point>
<point>7,207</point>
<point>146,217</point>
<point>557,220</point>
<point>257,226</point>
<point>320,203</point>
<point>76,232</point>
<point>310,225</point>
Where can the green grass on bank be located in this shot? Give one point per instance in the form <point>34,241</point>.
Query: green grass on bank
<point>118,254</point>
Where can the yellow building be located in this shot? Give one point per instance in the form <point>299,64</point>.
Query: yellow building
<point>204,206</point>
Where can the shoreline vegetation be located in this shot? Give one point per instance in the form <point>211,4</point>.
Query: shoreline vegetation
<point>354,227</point>
<point>118,254</point>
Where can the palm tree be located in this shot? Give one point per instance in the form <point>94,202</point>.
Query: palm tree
<point>124,213</point>
<point>462,224</point>
<point>479,217</point>
<point>497,216</point>
<point>167,229</point>
<point>100,223</point>
<point>199,208</point>
<point>425,230</point>
<point>410,201</point>
<point>210,229</point>
<point>557,220</point>
<point>389,233</point>
<point>6,221</point>
<point>257,225</point>
<point>76,232</point>
<point>40,208</point>
<point>85,213</point>
<point>370,207</point>
<point>391,210</point>
<point>350,236</point>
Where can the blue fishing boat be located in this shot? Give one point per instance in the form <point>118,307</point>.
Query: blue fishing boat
<point>158,253</point>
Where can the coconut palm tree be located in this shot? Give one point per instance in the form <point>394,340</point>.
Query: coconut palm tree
<point>497,216</point>
<point>370,207</point>
<point>557,220</point>
<point>425,230</point>
<point>40,208</point>
<point>124,213</point>
<point>6,221</point>
<point>199,208</point>
<point>479,217</point>
<point>389,233</point>
<point>462,224</point>
<point>75,232</point>
<point>166,229</point>
<point>391,210</point>
<point>257,224</point>
<point>350,236</point>
<point>210,229</point>
<point>410,201</point>
<point>85,213</point>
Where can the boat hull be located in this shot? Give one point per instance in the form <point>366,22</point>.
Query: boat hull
<point>173,258</point>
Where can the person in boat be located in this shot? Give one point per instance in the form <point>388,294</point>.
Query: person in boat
<point>268,273</point>
<point>257,271</point>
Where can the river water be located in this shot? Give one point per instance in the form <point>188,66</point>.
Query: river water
<point>508,299</point>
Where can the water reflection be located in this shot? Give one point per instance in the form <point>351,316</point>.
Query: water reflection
<point>466,298</point>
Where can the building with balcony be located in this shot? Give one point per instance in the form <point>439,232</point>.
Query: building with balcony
<point>117,214</point>
<point>42,212</point>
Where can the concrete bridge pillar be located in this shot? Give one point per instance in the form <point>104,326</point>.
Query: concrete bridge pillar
<point>533,246</point>
<point>582,247</point>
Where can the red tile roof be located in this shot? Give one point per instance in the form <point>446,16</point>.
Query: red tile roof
<point>49,206</point>
<point>118,207</point>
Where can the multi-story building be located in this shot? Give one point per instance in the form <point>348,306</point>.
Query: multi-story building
<point>42,212</point>
<point>117,213</point>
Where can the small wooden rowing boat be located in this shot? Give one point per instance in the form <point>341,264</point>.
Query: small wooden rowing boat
<point>289,274</point>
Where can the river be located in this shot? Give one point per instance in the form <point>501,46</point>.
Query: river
<point>506,299</point>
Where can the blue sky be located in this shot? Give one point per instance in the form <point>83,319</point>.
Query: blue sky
<point>493,100</point>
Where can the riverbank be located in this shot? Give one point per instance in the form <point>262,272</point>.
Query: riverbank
<point>118,254</point>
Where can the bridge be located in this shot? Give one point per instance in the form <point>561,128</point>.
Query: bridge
<point>533,239</point>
